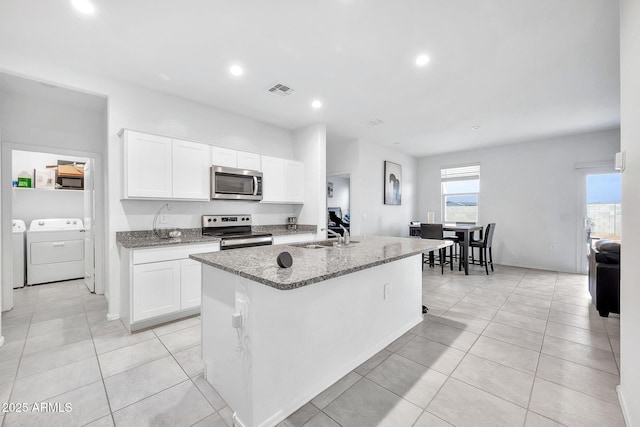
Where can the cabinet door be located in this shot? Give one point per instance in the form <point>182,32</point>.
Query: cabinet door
<point>191,170</point>
<point>190,283</point>
<point>156,289</point>
<point>249,161</point>
<point>273,179</point>
<point>294,181</point>
<point>224,157</point>
<point>147,166</point>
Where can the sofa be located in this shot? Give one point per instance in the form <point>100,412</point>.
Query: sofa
<point>604,277</point>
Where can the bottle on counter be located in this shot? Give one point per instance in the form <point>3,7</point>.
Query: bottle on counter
<point>24,179</point>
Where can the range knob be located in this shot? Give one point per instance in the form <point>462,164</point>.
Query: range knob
<point>209,220</point>
<point>68,222</point>
<point>215,219</point>
<point>40,222</point>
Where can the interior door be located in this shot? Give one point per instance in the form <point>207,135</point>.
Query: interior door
<point>89,221</point>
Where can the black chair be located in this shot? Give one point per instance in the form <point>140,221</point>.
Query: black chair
<point>484,245</point>
<point>460,239</point>
<point>435,232</point>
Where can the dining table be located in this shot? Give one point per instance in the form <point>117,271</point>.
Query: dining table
<point>467,231</point>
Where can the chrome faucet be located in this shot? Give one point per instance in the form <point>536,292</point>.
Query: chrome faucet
<point>347,236</point>
<point>156,232</point>
<point>335,234</point>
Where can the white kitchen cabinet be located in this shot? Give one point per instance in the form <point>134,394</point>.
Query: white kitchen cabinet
<point>158,167</point>
<point>235,159</point>
<point>156,289</point>
<point>294,180</point>
<point>191,170</point>
<point>250,161</point>
<point>282,180</point>
<point>224,157</point>
<point>147,166</point>
<point>160,284</point>
<point>190,283</point>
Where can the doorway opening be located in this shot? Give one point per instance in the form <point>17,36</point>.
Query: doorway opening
<point>602,210</point>
<point>339,203</point>
<point>51,211</point>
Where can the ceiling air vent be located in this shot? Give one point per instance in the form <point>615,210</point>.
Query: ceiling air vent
<point>280,89</point>
<point>373,122</point>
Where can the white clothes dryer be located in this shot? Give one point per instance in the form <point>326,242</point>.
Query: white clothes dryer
<point>55,250</point>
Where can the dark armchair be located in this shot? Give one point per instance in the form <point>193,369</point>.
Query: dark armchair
<point>604,277</point>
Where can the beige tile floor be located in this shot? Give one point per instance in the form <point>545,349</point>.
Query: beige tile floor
<point>516,348</point>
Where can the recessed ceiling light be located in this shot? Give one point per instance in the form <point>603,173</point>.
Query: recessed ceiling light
<point>236,70</point>
<point>475,127</point>
<point>396,143</point>
<point>84,6</point>
<point>422,60</point>
<point>316,104</point>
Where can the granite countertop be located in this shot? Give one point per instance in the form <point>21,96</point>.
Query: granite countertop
<point>191,236</point>
<point>315,265</point>
<point>282,230</point>
<point>146,238</point>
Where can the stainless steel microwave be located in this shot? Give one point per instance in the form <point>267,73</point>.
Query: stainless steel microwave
<point>235,184</point>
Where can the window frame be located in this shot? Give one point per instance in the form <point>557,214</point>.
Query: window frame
<point>472,174</point>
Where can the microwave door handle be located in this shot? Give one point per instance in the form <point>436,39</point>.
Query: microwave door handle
<point>255,185</point>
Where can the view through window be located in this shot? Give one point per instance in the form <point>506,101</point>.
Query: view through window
<point>460,193</point>
<point>603,205</point>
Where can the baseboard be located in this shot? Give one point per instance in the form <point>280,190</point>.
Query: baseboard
<point>111,316</point>
<point>623,406</point>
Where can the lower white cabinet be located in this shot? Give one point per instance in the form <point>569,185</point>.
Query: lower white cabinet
<point>190,283</point>
<point>156,289</point>
<point>161,284</point>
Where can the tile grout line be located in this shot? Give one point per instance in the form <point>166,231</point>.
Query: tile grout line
<point>95,350</point>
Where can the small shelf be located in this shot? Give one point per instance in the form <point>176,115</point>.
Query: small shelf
<point>49,190</point>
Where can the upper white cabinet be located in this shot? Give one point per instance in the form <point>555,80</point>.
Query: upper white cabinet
<point>250,161</point>
<point>191,170</point>
<point>157,167</point>
<point>235,159</point>
<point>282,180</point>
<point>224,157</point>
<point>147,166</point>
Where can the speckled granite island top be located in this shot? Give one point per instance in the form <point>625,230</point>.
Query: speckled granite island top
<point>315,265</point>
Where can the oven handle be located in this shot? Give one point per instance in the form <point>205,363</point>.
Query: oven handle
<point>255,185</point>
<point>250,240</point>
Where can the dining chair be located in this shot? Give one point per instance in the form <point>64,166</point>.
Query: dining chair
<point>484,245</point>
<point>435,232</point>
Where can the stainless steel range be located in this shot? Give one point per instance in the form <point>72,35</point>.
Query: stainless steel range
<point>234,231</point>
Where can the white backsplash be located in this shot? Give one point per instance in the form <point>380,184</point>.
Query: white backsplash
<point>140,213</point>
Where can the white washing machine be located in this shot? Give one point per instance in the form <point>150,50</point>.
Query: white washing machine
<point>55,250</point>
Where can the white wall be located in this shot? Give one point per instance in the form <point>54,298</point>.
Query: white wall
<point>530,190</point>
<point>141,109</point>
<point>365,163</point>
<point>310,147</point>
<point>340,197</point>
<point>630,144</point>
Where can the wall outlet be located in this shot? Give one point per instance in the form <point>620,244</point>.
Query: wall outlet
<point>163,219</point>
<point>387,289</point>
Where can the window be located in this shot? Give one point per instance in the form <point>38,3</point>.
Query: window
<point>460,192</point>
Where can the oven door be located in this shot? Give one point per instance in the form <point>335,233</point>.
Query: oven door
<point>235,184</point>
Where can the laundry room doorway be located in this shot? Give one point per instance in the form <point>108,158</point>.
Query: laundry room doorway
<point>51,133</point>
<point>54,193</point>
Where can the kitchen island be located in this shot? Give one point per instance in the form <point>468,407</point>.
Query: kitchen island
<point>273,338</point>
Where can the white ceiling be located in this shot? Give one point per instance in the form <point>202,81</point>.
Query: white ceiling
<point>520,70</point>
